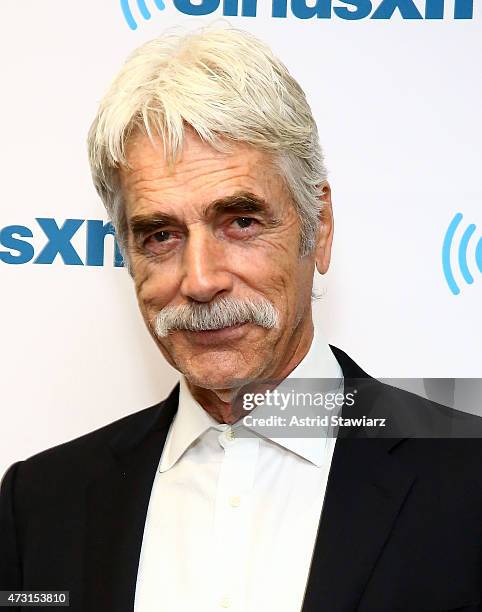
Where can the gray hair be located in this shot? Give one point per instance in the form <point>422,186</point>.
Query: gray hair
<point>223,312</point>
<point>228,87</point>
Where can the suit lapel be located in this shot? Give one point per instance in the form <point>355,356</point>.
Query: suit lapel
<point>116,507</point>
<point>366,489</point>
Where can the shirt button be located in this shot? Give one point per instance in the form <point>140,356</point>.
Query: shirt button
<point>234,501</point>
<point>230,435</point>
<point>225,602</point>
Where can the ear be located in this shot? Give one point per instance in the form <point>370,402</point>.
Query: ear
<point>325,235</point>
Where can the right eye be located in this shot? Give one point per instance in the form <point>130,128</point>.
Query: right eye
<point>161,236</point>
<point>161,241</point>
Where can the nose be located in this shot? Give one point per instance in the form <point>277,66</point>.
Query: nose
<point>205,273</point>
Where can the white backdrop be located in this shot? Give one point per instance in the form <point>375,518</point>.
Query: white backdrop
<point>398,107</point>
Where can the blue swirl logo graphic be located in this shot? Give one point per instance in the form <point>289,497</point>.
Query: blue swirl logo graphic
<point>144,11</point>
<point>448,247</point>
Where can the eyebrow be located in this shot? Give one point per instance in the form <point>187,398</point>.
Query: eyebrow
<point>143,224</point>
<point>242,202</point>
<point>239,203</point>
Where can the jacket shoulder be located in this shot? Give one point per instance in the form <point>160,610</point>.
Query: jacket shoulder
<point>79,457</point>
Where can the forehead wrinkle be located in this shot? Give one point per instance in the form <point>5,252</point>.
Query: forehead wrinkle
<point>152,180</point>
<point>210,175</point>
<point>134,179</point>
<point>154,192</point>
<point>152,159</point>
<point>149,194</point>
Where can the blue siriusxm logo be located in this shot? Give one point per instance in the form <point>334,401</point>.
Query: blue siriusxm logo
<point>461,254</point>
<point>307,9</point>
<point>15,248</point>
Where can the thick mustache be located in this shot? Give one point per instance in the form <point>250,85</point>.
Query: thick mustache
<point>224,312</point>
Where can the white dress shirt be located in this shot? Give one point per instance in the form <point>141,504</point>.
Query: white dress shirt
<point>232,520</point>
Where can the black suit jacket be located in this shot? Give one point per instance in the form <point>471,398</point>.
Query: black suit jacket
<point>401,526</point>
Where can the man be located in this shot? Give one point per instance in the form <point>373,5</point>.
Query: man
<point>206,155</point>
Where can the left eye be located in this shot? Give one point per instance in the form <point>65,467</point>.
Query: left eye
<point>244,222</point>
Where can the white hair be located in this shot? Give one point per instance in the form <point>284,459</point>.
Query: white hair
<point>228,87</point>
<point>223,312</point>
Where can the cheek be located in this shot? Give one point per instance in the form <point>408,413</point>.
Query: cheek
<point>272,272</point>
<point>155,286</point>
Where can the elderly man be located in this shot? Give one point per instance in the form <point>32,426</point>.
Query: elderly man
<point>206,156</point>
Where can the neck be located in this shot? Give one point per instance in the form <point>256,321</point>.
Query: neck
<point>219,402</point>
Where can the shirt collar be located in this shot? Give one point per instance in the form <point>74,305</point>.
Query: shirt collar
<point>192,421</point>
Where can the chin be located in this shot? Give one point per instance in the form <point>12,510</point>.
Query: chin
<point>212,373</point>
<point>215,380</point>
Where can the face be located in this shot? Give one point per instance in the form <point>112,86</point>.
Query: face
<point>211,226</point>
